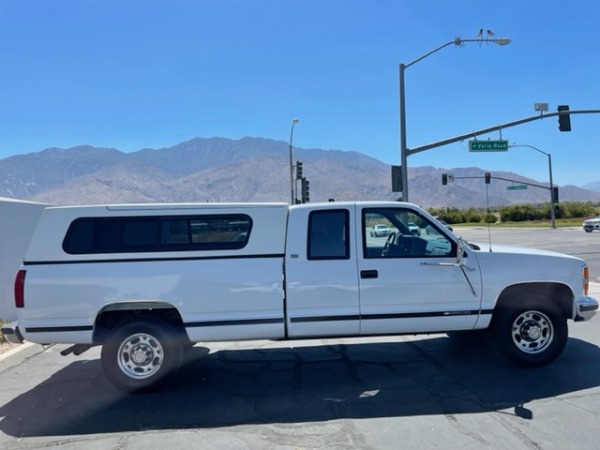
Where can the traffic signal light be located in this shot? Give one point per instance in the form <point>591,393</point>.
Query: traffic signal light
<point>444,179</point>
<point>396,178</point>
<point>555,194</point>
<point>299,170</point>
<point>564,120</point>
<point>305,190</point>
<point>488,177</point>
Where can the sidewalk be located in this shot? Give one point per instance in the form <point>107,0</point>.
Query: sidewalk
<point>19,354</point>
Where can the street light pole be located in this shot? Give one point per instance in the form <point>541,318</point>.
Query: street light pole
<point>552,207</point>
<point>458,42</point>
<point>292,193</point>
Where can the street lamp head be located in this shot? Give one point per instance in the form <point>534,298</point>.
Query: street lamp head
<point>502,41</point>
<point>295,120</point>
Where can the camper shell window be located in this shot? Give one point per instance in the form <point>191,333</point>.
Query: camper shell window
<point>157,234</point>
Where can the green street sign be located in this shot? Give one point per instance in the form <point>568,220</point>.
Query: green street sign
<point>516,187</point>
<point>488,146</point>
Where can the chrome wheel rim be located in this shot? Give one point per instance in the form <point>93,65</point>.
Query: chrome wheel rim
<point>532,332</point>
<point>140,356</point>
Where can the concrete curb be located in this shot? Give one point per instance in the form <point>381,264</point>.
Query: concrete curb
<point>19,354</point>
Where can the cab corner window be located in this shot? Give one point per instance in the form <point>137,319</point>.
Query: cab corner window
<point>328,235</point>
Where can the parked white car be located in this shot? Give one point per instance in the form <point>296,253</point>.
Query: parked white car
<point>414,228</point>
<point>380,230</point>
<point>592,224</point>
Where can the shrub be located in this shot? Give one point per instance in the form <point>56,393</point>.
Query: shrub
<point>491,218</point>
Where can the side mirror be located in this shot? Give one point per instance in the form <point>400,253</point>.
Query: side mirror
<point>460,250</point>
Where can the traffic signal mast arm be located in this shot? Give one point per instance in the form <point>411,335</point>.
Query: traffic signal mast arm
<point>520,182</point>
<point>462,137</point>
<point>454,177</point>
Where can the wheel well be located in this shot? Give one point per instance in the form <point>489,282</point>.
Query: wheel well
<point>558,294</point>
<point>112,315</point>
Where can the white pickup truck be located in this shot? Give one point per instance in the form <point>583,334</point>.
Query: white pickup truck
<point>146,281</point>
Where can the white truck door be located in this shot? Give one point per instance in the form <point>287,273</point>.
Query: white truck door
<point>321,273</point>
<point>410,280</point>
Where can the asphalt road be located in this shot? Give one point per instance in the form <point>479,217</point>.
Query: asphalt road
<point>401,392</point>
<point>378,393</point>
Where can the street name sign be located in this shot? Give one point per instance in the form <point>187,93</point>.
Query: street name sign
<point>499,145</point>
<point>516,187</point>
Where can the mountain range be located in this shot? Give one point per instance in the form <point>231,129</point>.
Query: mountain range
<point>247,170</point>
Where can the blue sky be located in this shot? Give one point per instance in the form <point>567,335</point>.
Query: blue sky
<point>134,74</point>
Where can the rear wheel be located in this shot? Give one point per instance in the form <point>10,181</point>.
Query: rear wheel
<point>531,335</point>
<point>142,354</point>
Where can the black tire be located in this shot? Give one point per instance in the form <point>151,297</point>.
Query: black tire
<point>532,334</point>
<point>142,354</point>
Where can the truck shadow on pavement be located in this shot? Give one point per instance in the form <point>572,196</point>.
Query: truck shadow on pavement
<point>433,376</point>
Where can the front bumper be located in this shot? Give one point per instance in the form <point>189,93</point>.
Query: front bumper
<point>12,334</point>
<point>585,308</point>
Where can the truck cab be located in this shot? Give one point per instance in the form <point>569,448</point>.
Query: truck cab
<point>341,280</point>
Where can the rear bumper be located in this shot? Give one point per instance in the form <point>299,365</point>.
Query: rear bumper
<point>12,334</point>
<point>585,308</point>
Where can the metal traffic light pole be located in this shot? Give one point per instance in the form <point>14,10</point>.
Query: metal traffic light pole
<point>292,184</point>
<point>404,151</point>
<point>552,199</point>
<point>462,137</point>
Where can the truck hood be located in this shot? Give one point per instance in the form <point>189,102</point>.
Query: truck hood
<point>505,249</point>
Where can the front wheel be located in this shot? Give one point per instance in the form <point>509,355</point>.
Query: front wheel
<point>531,336</point>
<point>141,354</point>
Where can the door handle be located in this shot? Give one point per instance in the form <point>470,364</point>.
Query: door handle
<point>369,274</point>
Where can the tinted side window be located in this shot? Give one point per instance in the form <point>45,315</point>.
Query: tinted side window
<point>175,231</point>
<point>140,233</point>
<point>157,234</point>
<point>328,235</point>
